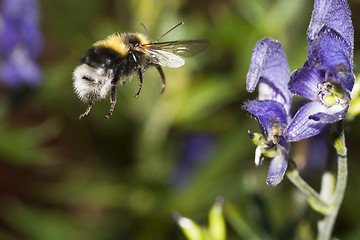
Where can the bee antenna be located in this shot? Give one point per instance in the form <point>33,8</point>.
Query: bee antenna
<point>180,23</point>
<point>146,30</point>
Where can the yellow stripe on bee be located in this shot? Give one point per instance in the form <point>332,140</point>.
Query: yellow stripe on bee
<point>116,42</point>
<point>143,39</point>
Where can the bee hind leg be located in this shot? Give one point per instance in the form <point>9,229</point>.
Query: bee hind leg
<point>162,75</point>
<point>139,71</point>
<point>112,101</point>
<point>87,111</point>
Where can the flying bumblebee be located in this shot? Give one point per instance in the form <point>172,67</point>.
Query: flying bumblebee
<point>113,61</point>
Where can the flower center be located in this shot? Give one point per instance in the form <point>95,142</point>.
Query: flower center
<point>267,147</point>
<point>330,93</point>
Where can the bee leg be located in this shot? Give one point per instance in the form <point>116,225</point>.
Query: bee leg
<point>139,71</point>
<point>158,67</point>
<point>112,101</point>
<point>87,111</point>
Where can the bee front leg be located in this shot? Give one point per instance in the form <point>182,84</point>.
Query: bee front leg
<point>87,111</point>
<point>139,71</point>
<point>158,67</point>
<point>112,101</point>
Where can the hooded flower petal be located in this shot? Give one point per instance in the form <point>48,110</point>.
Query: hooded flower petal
<point>277,170</point>
<point>330,51</point>
<point>302,126</point>
<point>305,81</point>
<point>328,62</point>
<point>265,110</point>
<point>269,66</point>
<point>334,14</point>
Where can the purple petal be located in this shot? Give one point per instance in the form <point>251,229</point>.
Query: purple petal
<point>277,170</point>
<point>334,114</point>
<point>20,69</point>
<point>302,126</point>
<point>9,74</point>
<point>264,110</point>
<point>268,91</point>
<point>304,82</point>
<point>31,37</point>
<point>346,80</point>
<point>31,73</point>
<point>8,37</point>
<point>21,8</point>
<point>334,14</point>
<point>269,64</point>
<point>330,51</point>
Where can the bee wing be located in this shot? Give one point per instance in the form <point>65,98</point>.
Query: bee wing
<point>163,58</point>
<point>169,54</point>
<point>185,48</point>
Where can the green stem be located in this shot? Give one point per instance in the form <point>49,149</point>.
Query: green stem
<point>327,224</point>
<point>312,196</point>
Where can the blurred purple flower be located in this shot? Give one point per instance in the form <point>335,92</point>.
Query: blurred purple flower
<point>270,70</point>
<point>317,153</point>
<point>20,42</point>
<point>327,76</point>
<point>196,149</point>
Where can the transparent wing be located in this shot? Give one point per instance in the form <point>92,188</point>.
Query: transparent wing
<point>163,58</point>
<point>186,48</point>
<point>169,54</point>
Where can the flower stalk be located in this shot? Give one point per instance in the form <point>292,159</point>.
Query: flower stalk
<point>313,198</point>
<point>327,224</point>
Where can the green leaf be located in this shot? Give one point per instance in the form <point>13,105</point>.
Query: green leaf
<point>191,230</point>
<point>217,226</point>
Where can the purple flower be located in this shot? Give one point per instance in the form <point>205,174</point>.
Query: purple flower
<point>327,76</point>
<point>20,42</point>
<point>269,69</point>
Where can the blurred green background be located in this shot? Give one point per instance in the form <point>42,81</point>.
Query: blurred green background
<point>123,178</point>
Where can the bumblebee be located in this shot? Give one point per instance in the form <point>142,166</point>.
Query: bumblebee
<point>113,61</point>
